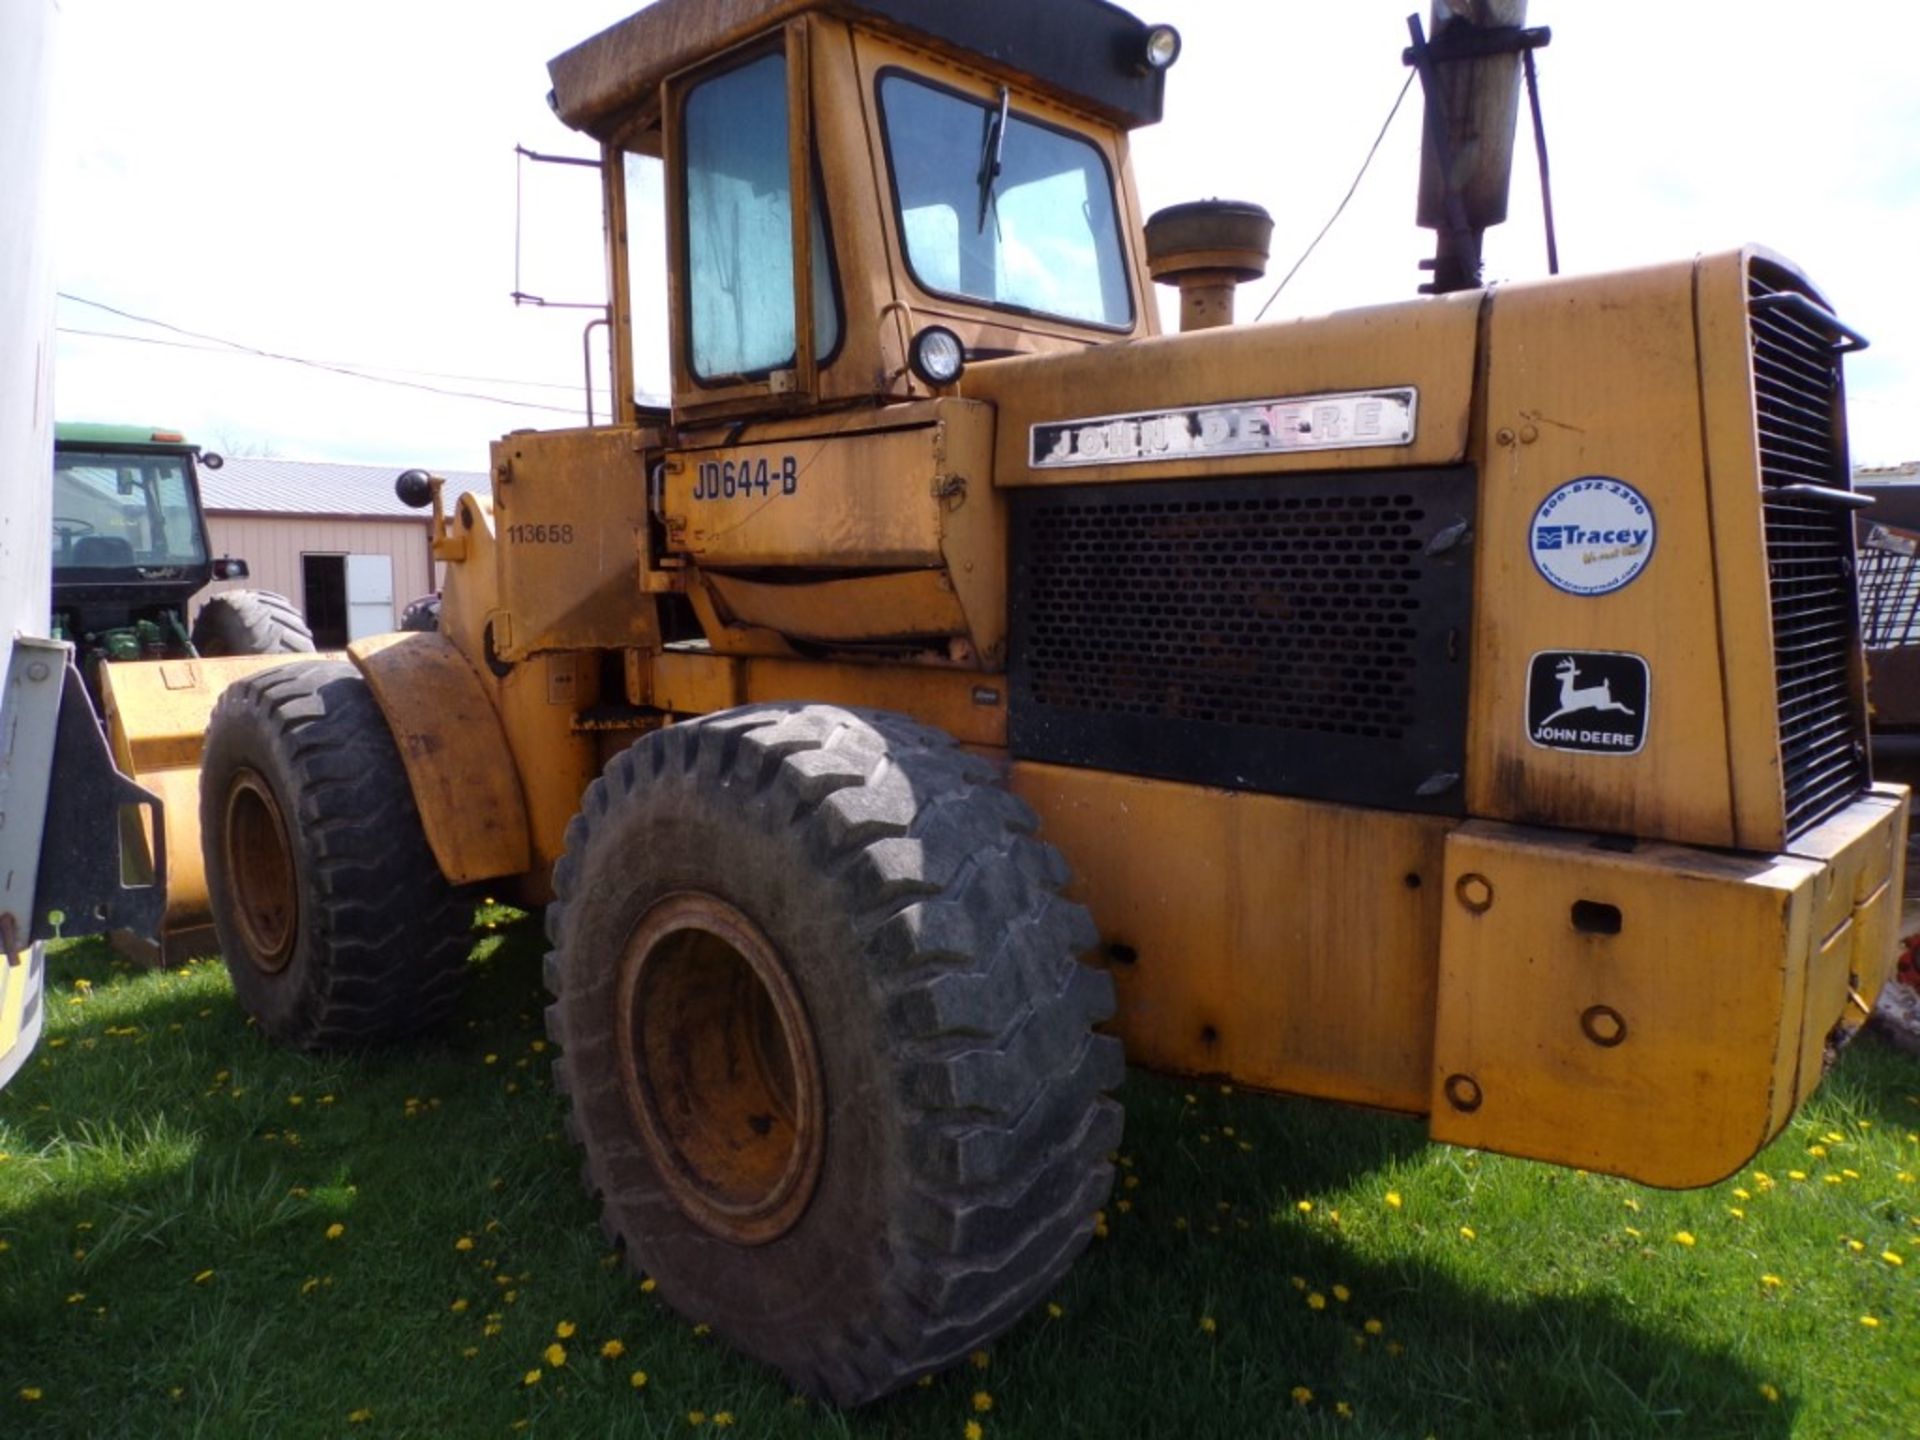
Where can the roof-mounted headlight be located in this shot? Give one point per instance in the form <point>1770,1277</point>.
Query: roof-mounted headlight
<point>1163,47</point>
<point>938,357</point>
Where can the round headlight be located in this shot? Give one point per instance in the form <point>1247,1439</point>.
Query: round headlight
<point>938,356</point>
<point>1163,47</point>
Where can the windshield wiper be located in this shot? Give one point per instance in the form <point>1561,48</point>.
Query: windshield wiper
<point>991,148</point>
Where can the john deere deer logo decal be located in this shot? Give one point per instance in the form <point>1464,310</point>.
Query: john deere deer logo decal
<point>1590,701</point>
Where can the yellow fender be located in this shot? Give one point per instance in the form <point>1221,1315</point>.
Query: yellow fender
<point>465,783</point>
<point>156,720</point>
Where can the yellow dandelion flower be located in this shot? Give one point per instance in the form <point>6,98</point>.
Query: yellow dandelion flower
<point>647,1285</point>
<point>565,1329</point>
<point>980,1359</point>
<point>490,1329</point>
<point>696,1417</point>
<point>1100,1231</point>
<point>1631,1231</point>
<point>1302,1395</point>
<point>1816,1151</point>
<point>532,1377</point>
<point>971,1430</point>
<point>1796,1174</point>
<point>1342,1294</point>
<point>1870,1322</point>
<point>1769,1394</point>
<point>1833,1180</point>
<point>1834,1137</point>
<point>1736,1212</point>
<point>1892,1258</point>
<point>1316,1301</point>
<point>1208,1325</point>
<point>723,1418</point>
<point>464,1243</point>
<point>1851,1174</point>
<point>1904,1178</point>
<point>459,1307</point>
<point>30,1393</point>
<point>1856,1246</point>
<point>1631,1204</point>
<point>470,1352</point>
<point>1374,1327</point>
<point>555,1355</point>
<point>1393,1199</point>
<point>1343,1409</point>
<point>1054,1312</point>
<point>702,1330</point>
<point>612,1350</point>
<point>336,1230</point>
<point>1467,1233</point>
<point>1772,1282</point>
<point>309,1285</point>
<point>203,1277</point>
<point>1740,1194</point>
<point>638,1380</point>
<point>1299,1282</point>
<point>982,1402</point>
<point>1683,1237</point>
<point>359,1417</point>
<point>1305,1207</point>
<point>76,1297</point>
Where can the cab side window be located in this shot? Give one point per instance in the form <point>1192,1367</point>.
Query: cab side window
<point>739,216</point>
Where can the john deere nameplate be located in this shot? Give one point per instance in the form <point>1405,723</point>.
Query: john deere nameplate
<point>1351,421</point>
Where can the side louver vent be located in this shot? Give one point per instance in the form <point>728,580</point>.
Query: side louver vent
<point>1796,347</point>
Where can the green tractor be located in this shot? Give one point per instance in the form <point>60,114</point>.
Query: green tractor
<point>130,551</point>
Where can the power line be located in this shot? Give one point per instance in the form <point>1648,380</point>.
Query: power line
<point>329,366</point>
<point>1341,208</point>
<point>388,369</point>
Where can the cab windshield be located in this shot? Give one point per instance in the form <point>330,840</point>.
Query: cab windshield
<point>123,512</point>
<point>1039,234</point>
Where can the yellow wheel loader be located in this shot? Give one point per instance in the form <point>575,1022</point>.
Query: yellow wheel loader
<point>1452,707</point>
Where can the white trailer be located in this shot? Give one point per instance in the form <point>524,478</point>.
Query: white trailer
<point>26,450</point>
<point>63,806</point>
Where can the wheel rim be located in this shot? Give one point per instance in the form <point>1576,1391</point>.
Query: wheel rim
<point>720,1070</point>
<point>260,874</point>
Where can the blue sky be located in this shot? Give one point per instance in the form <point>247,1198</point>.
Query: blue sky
<point>338,183</point>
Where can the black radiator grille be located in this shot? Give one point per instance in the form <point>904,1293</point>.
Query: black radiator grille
<point>1302,635</point>
<point>1810,554</point>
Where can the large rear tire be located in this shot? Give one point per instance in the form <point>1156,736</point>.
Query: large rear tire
<point>828,1042</point>
<point>250,622</point>
<point>337,926</point>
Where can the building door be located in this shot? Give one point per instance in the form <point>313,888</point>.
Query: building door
<point>323,586</point>
<point>369,595</point>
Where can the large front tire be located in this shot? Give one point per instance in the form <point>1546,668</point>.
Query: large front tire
<point>827,1039</point>
<point>337,926</point>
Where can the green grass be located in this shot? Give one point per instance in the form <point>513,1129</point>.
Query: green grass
<point>168,1180</point>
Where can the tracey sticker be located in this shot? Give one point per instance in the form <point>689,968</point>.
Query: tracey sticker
<point>1590,701</point>
<point>1592,536</point>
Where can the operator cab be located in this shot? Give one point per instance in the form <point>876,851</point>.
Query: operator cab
<point>129,539</point>
<point>126,516</point>
<point>957,208</point>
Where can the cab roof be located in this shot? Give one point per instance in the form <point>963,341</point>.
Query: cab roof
<point>83,432</point>
<point>1088,53</point>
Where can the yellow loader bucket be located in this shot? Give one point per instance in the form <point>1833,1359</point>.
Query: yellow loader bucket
<point>156,716</point>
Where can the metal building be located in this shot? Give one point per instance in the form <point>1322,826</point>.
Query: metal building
<point>332,538</point>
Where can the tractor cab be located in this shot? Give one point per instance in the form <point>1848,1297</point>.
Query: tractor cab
<point>956,207</point>
<point>129,539</point>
